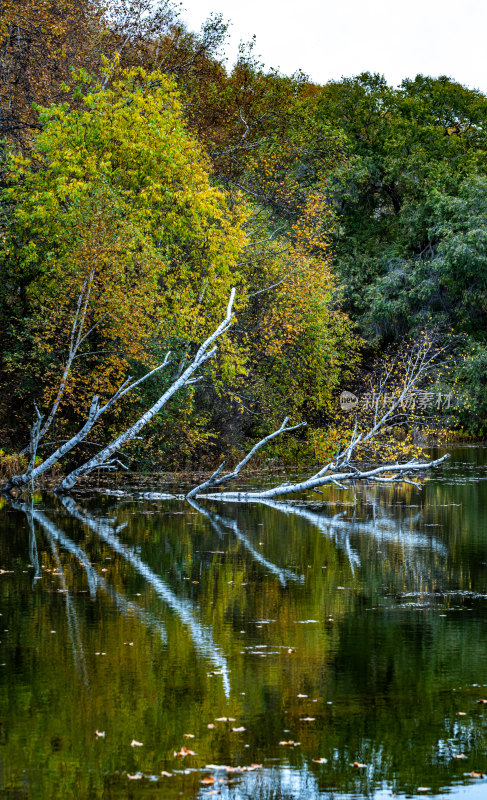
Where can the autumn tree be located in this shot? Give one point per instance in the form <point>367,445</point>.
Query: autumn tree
<point>115,193</point>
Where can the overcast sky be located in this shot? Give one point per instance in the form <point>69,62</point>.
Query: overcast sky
<point>333,38</point>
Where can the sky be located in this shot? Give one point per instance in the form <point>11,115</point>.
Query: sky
<point>335,38</point>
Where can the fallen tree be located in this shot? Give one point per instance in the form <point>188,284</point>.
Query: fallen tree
<point>343,469</point>
<point>417,364</point>
<point>104,458</point>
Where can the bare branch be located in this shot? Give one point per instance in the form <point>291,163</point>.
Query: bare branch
<point>316,480</point>
<point>205,352</point>
<point>214,480</point>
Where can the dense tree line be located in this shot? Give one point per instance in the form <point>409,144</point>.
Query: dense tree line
<point>140,180</point>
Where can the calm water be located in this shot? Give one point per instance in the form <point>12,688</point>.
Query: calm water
<point>351,626</point>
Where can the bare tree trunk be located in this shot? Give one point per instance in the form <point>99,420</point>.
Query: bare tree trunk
<point>96,411</point>
<point>417,365</point>
<point>215,480</point>
<point>207,350</point>
<point>401,471</point>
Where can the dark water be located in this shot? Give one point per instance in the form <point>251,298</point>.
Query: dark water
<point>353,624</point>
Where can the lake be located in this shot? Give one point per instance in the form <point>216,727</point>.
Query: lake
<point>330,647</point>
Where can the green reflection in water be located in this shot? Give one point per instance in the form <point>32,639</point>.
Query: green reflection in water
<point>352,623</point>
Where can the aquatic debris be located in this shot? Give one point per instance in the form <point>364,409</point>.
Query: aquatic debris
<point>251,768</point>
<point>185,751</point>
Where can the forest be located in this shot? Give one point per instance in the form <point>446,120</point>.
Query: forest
<point>141,179</point>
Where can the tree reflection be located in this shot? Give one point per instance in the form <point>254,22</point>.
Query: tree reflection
<point>200,634</point>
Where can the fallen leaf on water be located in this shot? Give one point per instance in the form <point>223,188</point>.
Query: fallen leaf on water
<point>211,725</point>
<point>189,735</point>
<point>135,743</point>
<point>357,765</point>
<point>195,581</point>
<point>290,744</point>
<point>184,752</point>
<point>320,760</point>
<point>166,774</point>
<point>208,780</point>
<point>137,777</point>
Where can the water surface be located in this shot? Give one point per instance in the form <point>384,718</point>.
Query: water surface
<point>280,643</point>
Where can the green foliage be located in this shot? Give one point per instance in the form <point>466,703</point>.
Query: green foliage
<point>406,146</point>
<point>115,194</point>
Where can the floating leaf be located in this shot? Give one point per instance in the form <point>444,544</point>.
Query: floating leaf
<point>184,752</point>
<point>208,780</point>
